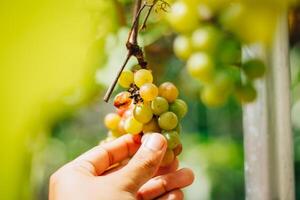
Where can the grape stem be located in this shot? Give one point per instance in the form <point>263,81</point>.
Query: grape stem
<point>132,45</point>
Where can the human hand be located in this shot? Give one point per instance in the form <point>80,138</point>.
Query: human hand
<point>89,177</point>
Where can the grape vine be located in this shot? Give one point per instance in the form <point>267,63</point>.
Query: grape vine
<point>131,44</point>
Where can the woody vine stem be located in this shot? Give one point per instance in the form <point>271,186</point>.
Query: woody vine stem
<point>133,49</point>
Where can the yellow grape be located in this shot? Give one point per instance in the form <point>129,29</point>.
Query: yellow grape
<point>182,17</point>
<point>142,76</point>
<point>142,113</point>
<point>132,126</point>
<point>169,91</point>
<point>148,91</point>
<point>126,78</point>
<point>182,47</point>
<point>201,66</point>
<point>212,97</point>
<point>112,121</point>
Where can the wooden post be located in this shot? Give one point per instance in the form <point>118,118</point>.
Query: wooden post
<point>268,140</point>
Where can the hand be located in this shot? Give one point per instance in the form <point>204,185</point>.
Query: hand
<point>88,176</point>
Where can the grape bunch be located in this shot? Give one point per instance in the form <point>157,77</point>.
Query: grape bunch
<point>212,52</point>
<point>145,108</point>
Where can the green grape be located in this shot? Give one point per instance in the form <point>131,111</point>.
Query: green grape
<point>169,91</point>
<point>132,126</point>
<point>142,76</point>
<point>112,121</point>
<point>182,47</point>
<point>167,121</point>
<point>235,73</point>
<point>201,66</point>
<point>142,113</point>
<point>168,158</point>
<point>172,138</point>
<point>205,38</point>
<point>148,91</point>
<point>245,93</point>
<point>254,68</point>
<point>182,17</point>
<point>159,105</point>
<point>126,78</point>
<point>179,107</point>
<point>212,97</point>
<point>229,51</point>
<point>151,127</point>
<point>223,81</point>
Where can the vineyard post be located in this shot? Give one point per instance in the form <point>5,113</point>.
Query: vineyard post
<point>268,139</point>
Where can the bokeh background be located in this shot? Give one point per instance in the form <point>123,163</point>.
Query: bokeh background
<point>57,57</point>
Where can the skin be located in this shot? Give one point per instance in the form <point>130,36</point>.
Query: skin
<point>106,172</point>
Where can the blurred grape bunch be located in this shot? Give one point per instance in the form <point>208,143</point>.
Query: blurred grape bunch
<point>49,53</point>
<point>211,35</point>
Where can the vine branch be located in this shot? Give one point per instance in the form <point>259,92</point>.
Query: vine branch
<point>132,44</point>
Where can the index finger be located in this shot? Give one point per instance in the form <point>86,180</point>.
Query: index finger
<point>103,156</point>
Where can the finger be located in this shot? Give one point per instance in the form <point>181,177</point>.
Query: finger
<point>116,168</point>
<point>101,157</point>
<point>145,162</point>
<point>173,195</point>
<point>168,169</point>
<point>166,183</point>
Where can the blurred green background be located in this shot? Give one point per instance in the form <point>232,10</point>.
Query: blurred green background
<point>56,59</point>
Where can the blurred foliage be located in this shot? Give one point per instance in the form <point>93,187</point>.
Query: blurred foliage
<point>49,53</point>
<point>51,107</point>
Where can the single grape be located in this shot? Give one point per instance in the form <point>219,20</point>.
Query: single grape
<point>201,66</point>
<point>126,78</point>
<point>142,113</point>
<point>182,47</point>
<point>122,100</point>
<point>206,38</point>
<point>142,76</point>
<point>212,97</point>
<point>229,51</point>
<point>177,150</point>
<point>148,91</point>
<point>169,91</point>
<point>159,105</point>
<point>167,121</point>
<point>132,126</point>
<point>182,17</point>
<point>245,93</point>
<point>168,158</point>
<point>223,81</point>
<point>172,138</point>
<point>151,127</point>
<point>112,120</point>
<point>254,68</point>
<point>179,107</point>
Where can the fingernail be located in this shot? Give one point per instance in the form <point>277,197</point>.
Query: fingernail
<point>154,142</point>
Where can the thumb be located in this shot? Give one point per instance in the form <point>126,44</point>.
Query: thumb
<point>145,162</point>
